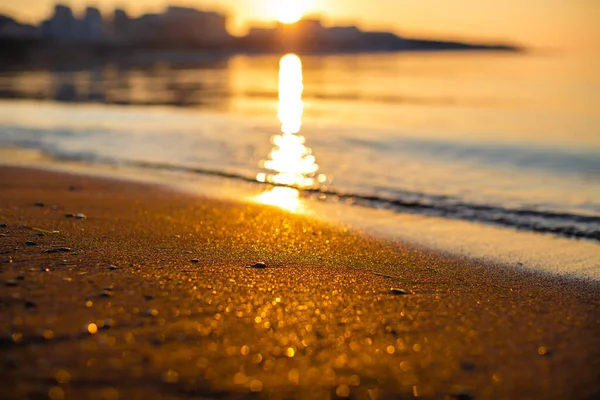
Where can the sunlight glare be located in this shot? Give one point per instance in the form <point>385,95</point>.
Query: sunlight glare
<point>290,162</point>
<point>282,197</point>
<point>288,11</point>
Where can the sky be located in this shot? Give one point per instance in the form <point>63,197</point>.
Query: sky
<point>566,24</point>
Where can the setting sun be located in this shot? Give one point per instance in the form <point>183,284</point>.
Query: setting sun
<point>288,11</point>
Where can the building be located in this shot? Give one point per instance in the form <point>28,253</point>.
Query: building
<point>188,25</point>
<point>148,28</point>
<point>61,25</point>
<point>176,27</point>
<point>91,26</point>
<point>120,22</point>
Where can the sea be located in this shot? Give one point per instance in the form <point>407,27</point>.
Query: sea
<point>492,155</point>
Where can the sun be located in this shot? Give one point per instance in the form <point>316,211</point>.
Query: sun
<point>288,11</point>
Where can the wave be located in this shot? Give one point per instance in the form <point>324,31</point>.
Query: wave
<point>566,224</point>
<point>562,224</point>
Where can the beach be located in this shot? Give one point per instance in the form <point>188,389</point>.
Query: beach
<point>115,289</point>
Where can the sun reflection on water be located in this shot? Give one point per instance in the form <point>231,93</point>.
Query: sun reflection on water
<point>290,162</point>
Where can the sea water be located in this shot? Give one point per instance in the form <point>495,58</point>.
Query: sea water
<point>507,140</point>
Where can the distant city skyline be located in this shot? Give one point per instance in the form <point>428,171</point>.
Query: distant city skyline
<point>540,23</point>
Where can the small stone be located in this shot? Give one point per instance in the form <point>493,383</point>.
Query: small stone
<point>544,351</point>
<point>459,392</point>
<point>148,297</point>
<point>112,267</point>
<point>29,304</point>
<point>59,250</point>
<point>39,204</point>
<point>80,216</point>
<point>3,225</point>
<point>151,313</point>
<point>29,243</point>
<point>399,292</point>
<point>21,278</point>
<point>259,265</point>
<point>467,366</point>
<point>54,207</point>
<point>105,293</point>
<point>69,215</point>
<point>7,260</point>
<point>11,282</point>
<point>72,187</point>
<point>195,260</point>
<point>10,363</point>
<point>109,323</point>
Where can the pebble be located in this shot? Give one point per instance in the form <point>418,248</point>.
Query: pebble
<point>459,392</point>
<point>69,215</point>
<point>151,313</point>
<point>11,282</point>
<point>259,265</point>
<point>112,267</point>
<point>397,291</point>
<point>39,204</point>
<point>467,366</point>
<point>8,260</point>
<point>80,216</point>
<point>10,363</point>
<point>31,243</point>
<point>3,225</point>
<point>195,260</point>
<point>105,293</point>
<point>72,187</point>
<point>59,250</point>
<point>29,304</point>
<point>109,323</point>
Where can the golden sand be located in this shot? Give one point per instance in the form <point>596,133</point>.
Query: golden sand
<point>153,295</point>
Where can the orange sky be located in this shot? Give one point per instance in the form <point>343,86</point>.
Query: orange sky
<point>541,23</point>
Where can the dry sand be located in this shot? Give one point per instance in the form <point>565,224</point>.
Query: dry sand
<point>125,313</point>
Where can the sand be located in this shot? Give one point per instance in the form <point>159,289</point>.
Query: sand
<point>150,296</point>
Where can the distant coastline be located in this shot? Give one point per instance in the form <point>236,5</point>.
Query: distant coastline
<point>45,53</point>
<point>92,38</point>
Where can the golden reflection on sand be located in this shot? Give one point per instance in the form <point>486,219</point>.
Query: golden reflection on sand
<point>282,197</point>
<point>290,162</point>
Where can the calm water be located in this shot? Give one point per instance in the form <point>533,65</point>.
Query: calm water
<point>507,139</point>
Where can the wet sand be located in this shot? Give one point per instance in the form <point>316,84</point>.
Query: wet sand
<point>150,296</point>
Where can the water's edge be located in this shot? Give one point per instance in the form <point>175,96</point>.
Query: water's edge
<point>490,243</point>
<point>563,224</point>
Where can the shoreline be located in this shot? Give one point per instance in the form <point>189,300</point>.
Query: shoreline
<point>503,247</point>
<point>320,320</point>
